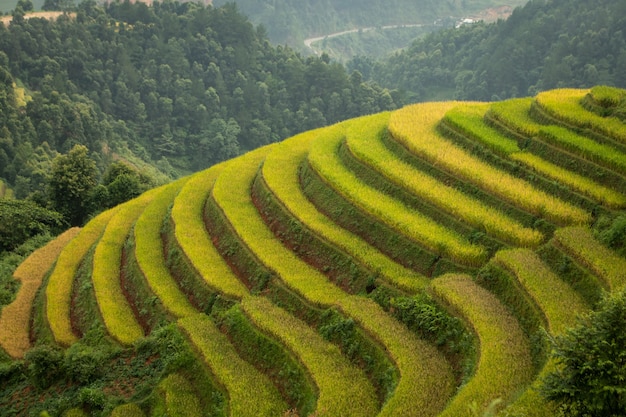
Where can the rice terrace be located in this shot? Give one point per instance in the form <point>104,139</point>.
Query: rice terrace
<point>408,263</point>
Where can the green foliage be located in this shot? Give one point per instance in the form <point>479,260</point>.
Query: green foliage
<point>72,179</point>
<point>542,45</point>
<point>591,357</point>
<point>83,363</point>
<point>21,220</point>
<point>273,358</point>
<point>45,365</point>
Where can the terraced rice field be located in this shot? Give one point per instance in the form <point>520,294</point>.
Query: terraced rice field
<point>321,275</point>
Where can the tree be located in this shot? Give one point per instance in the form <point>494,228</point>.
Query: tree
<point>71,182</point>
<point>22,219</point>
<point>590,379</point>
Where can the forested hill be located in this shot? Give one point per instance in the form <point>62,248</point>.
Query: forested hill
<point>291,21</point>
<point>546,44</point>
<point>180,84</point>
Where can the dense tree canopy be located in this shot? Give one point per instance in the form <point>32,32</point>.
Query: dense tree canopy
<point>181,85</point>
<point>545,44</point>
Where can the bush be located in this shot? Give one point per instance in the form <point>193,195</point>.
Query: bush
<point>83,363</point>
<point>44,365</point>
<point>592,364</point>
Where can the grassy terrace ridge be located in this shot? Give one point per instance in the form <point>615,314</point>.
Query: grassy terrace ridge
<point>149,252</point>
<point>557,300</point>
<point>576,182</point>
<point>179,397</point>
<point>425,231</point>
<point>191,235</point>
<point>117,314</point>
<point>505,366</point>
<point>606,96</point>
<point>564,105</point>
<point>580,244</point>
<point>343,389</point>
<point>426,379</point>
<point>58,294</point>
<point>250,392</point>
<point>513,116</point>
<point>468,120</point>
<point>412,127</point>
<point>280,172</point>
<point>373,153</point>
<point>15,317</point>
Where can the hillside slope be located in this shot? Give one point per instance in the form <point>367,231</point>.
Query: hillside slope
<point>543,45</point>
<point>290,21</point>
<point>397,264</point>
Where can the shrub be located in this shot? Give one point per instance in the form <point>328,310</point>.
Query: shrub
<point>44,365</point>
<point>592,363</point>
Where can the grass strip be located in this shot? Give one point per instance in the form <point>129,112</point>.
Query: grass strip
<point>414,127</point>
<point>505,365</point>
<point>117,314</point>
<point>560,305</point>
<point>581,245</point>
<point>180,397</point>
<point>250,392</point>
<point>376,155</point>
<point>58,290</point>
<point>577,182</point>
<point>564,105</point>
<point>15,317</point>
<point>343,389</point>
<point>149,253</point>
<point>426,379</point>
<point>425,231</point>
<point>280,172</point>
<point>191,234</point>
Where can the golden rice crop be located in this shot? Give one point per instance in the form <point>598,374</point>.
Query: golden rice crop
<point>505,365</point>
<point>421,229</point>
<point>586,148</point>
<point>15,317</point>
<point>580,243</point>
<point>117,314</point>
<point>468,120</point>
<point>149,253</point>
<point>127,410</point>
<point>583,185</point>
<point>193,238</point>
<point>250,392</point>
<point>420,387</point>
<point>412,126</point>
<point>557,300</point>
<point>373,152</point>
<point>344,390</point>
<point>58,290</point>
<point>280,172</point>
<point>607,96</point>
<point>564,104</point>
<point>180,397</point>
<point>560,305</point>
<point>514,114</point>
